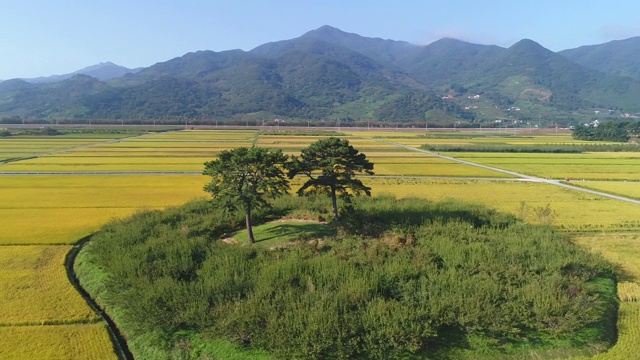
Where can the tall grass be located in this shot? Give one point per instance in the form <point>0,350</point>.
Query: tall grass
<point>403,277</point>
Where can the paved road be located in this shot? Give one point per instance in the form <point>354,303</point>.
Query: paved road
<point>521,176</point>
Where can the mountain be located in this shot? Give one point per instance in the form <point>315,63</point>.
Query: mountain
<point>103,71</point>
<point>448,61</point>
<point>330,74</point>
<point>379,50</point>
<point>619,57</point>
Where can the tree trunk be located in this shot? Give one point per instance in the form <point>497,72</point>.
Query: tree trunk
<point>334,201</point>
<point>249,225</point>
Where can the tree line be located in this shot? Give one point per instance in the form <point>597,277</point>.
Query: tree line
<point>607,131</point>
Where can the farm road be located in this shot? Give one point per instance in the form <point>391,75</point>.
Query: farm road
<point>520,176</point>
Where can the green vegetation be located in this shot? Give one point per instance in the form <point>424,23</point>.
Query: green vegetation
<point>403,278</point>
<point>326,75</point>
<point>286,232</point>
<point>534,148</point>
<point>608,131</point>
<point>331,165</point>
<point>243,178</point>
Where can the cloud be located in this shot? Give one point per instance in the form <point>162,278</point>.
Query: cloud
<point>618,32</point>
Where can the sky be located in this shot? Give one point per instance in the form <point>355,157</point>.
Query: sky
<point>51,37</point>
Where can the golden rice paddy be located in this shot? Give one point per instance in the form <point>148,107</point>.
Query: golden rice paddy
<point>587,166</point>
<point>35,290</point>
<point>77,341</point>
<point>50,209</point>
<point>623,188</point>
<point>60,209</point>
<point>595,212</point>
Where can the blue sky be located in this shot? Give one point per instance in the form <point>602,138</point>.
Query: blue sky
<point>46,37</point>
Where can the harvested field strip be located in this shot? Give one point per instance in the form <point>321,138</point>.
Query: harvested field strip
<point>55,163</point>
<point>79,341</point>
<point>171,145</point>
<point>206,134</point>
<point>146,153</point>
<point>35,290</point>
<point>12,149</point>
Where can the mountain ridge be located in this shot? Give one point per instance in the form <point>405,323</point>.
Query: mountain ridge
<point>328,73</point>
<point>102,71</point>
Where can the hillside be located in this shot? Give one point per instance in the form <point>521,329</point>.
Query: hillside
<point>330,74</point>
<point>619,57</point>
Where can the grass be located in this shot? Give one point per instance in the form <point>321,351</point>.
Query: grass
<point>624,250</point>
<point>78,341</point>
<point>62,209</point>
<point>280,233</point>
<point>626,347</point>
<point>34,289</point>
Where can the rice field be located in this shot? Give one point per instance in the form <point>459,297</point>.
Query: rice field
<point>624,188</point>
<point>170,151</point>
<point>34,289</point>
<point>573,211</point>
<point>426,165</point>
<point>19,147</point>
<point>624,250</point>
<point>40,212</point>
<point>585,166</point>
<point>61,209</point>
<point>78,341</point>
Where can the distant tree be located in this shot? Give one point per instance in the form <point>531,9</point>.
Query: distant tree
<point>634,128</point>
<point>583,132</point>
<point>331,165</point>
<point>608,131</point>
<point>244,177</point>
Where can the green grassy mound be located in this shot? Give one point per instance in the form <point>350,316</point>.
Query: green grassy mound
<point>401,279</point>
<point>285,233</point>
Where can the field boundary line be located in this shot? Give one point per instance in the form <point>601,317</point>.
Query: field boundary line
<point>117,339</point>
<point>35,156</point>
<point>141,172</point>
<point>522,176</point>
